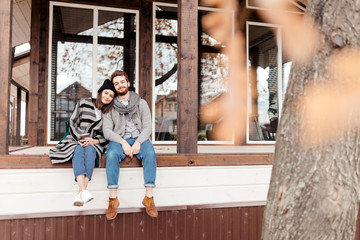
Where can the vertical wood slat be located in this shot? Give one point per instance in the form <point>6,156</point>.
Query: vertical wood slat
<point>18,116</point>
<point>145,52</point>
<point>187,95</point>
<point>42,77</point>
<point>5,71</point>
<point>27,116</point>
<point>34,72</point>
<point>221,223</point>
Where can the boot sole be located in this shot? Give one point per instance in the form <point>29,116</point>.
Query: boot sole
<point>78,204</point>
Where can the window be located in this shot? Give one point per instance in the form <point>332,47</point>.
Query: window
<point>87,43</point>
<point>267,80</point>
<point>213,69</point>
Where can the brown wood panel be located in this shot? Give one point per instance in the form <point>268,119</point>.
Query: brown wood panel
<point>145,52</point>
<point>187,95</point>
<point>18,116</point>
<point>163,160</point>
<point>253,224</point>
<point>5,71</point>
<point>34,72</point>
<point>208,224</point>
<point>42,73</point>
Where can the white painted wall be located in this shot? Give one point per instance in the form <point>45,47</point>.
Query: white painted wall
<point>50,192</point>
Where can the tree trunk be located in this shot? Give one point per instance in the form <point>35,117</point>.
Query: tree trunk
<point>314,189</point>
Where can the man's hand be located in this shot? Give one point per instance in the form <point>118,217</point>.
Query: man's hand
<point>126,147</point>
<point>135,149</point>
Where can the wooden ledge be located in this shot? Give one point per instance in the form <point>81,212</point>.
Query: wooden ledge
<point>163,160</point>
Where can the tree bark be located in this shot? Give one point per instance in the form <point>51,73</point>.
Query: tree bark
<point>314,189</point>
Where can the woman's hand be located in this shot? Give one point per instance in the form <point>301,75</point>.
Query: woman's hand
<point>126,147</point>
<point>88,141</point>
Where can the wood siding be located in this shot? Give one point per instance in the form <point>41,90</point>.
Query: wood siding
<point>190,224</point>
<point>241,223</point>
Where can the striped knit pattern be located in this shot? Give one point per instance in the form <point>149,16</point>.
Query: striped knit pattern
<point>82,120</point>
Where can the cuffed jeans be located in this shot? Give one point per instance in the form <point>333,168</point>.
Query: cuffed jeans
<point>115,154</point>
<point>83,161</point>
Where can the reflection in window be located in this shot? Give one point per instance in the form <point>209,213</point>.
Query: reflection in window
<point>266,76</point>
<point>73,51</point>
<point>71,71</point>
<point>113,27</point>
<point>212,85</point>
<point>165,73</point>
<point>213,70</point>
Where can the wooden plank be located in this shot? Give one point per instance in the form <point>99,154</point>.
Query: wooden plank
<point>27,115</point>
<point>42,75</point>
<point>145,52</point>
<point>5,72</point>
<point>18,116</point>
<point>163,160</point>
<point>187,95</point>
<point>34,72</point>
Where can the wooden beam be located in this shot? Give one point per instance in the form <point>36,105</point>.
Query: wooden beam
<point>42,74</point>
<point>145,52</point>
<point>5,71</point>
<point>18,116</point>
<point>187,95</point>
<point>34,72</point>
<point>27,116</point>
<point>163,160</point>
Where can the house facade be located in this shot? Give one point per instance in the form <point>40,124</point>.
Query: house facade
<point>207,188</point>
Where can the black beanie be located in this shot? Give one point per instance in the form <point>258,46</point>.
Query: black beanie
<point>107,85</point>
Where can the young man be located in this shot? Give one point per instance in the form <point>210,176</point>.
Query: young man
<point>128,127</point>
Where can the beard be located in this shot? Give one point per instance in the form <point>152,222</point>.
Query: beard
<point>123,91</point>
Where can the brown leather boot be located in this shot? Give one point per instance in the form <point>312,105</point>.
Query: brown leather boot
<point>112,209</point>
<point>150,206</point>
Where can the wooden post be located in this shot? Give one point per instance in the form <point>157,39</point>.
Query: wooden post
<point>27,117</point>
<point>18,116</point>
<point>187,95</point>
<point>5,72</point>
<point>34,73</point>
<point>145,52</point>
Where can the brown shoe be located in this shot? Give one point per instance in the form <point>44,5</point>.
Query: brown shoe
<point>112,209</point>
<point>150,206</point>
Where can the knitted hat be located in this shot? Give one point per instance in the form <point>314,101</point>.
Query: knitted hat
<point>107,85</point>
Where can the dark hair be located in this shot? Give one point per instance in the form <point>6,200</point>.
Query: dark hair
<point>105,108</point>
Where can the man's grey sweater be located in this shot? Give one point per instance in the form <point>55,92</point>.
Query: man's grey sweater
<point>114,123</point>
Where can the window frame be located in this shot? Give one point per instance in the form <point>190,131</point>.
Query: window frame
<point>96,10</point>
<point>174,5</point>
<point>278,39</point>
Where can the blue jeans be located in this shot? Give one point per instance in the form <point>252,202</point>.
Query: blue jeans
<point>115,154</point>
<point>83,161</point>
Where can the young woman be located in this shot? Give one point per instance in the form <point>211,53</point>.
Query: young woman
<point>85,142</point>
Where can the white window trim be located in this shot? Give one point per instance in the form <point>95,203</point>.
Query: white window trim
<point>153,77</point>
<point>291,1</point>
<point>280,70</point>
<point>95,41</point>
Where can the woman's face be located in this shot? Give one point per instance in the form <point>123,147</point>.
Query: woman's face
<point>107,96</point>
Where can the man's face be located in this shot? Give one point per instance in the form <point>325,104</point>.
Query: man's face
<point>121,85</point>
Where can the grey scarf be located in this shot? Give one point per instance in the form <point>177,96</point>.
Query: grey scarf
<point>131,107</point>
